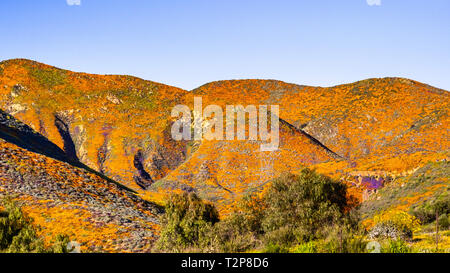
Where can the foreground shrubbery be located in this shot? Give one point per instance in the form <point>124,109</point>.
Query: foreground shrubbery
<point>438,207</point>
<point>305,213</point>
<point>300,213</point>
<point>394,224</point>
<point>187,223</point>
<point>18,235</point>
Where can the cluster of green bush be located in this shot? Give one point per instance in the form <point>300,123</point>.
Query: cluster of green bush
<point>298,213</point>
<point>18,235</point>
<point>48,77</point>
<point>439,207</point>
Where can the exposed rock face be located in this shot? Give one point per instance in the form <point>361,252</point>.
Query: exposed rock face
<point>323,129</point>
<point>79,139</point>
<point>17,90</point>
<point>113,99</point>
<point>16,108</point>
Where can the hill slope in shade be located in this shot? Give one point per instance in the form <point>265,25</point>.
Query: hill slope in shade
<point>20,134</point>
<point>66,197</point>
<point>116,125</point>
<point>366,118</point>
<point>63,199</point>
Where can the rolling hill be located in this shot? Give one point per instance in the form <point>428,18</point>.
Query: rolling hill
<point>366,118</point>
<point>91,149</point>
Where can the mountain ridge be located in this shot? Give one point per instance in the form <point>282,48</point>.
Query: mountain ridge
<point>219,81</point>
<point>97,149</point>
<point>91,113</point>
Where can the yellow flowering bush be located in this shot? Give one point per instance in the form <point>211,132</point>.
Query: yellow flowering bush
<point>394,223</point>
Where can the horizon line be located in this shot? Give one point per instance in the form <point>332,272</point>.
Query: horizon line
<point>224,80</point>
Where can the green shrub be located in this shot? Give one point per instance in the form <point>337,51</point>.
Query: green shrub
<point>284,237</point>
<point>426,212</point>
<point>295,210</point>
<point>16,231</point>
<point>187,223</point>
<point>275,248</point>
<point>60,243</point>
<point>235,234</point>
<point>345,237</point>
<point>396,246</point>
<point>18,235</point>
<point>444,222</point>
<point>300,206</point>
<point>309,247</point>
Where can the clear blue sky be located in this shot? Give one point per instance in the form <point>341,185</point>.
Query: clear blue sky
<point>187,43</point>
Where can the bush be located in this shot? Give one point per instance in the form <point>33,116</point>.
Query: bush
<point>309,247</point>
<point>396,246</point>
<point>426,213</point>
<point>275,248</point>
<point>18,235</point>
<point>346,237</point>
<point>444,222</point>
<point>394,224</point>
<point>187,223</point>
<point>295,209</point>
<point>235,234</point>
<point>299,207</point>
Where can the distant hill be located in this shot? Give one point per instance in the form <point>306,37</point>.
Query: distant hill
<point>120,125</point>
<point>84,140</point>
<point>365,118</point>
